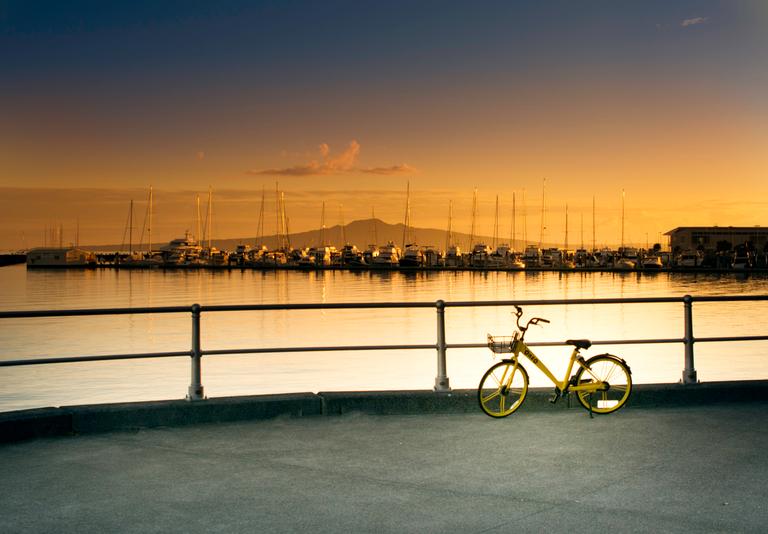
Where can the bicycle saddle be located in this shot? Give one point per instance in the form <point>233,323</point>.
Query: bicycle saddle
<point>579,343</point>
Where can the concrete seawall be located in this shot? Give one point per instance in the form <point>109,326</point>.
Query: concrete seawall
<point>71,420</point>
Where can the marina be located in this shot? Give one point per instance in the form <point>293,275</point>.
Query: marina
<point>269,372</point>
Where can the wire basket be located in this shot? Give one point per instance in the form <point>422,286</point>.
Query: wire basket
<point>501,344</point>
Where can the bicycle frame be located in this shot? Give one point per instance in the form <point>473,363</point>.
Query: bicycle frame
<point>519,347</point>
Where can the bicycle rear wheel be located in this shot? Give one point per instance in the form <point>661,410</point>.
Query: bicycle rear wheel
<point>502,389</point>
<point>614,373</point>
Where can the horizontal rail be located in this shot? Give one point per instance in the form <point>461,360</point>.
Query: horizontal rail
<point>14,314</point>
<point>343,348</point>
<point>105,357</point>
<point>441,383</point>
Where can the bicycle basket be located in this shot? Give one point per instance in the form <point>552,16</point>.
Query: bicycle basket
<point>501,344</point>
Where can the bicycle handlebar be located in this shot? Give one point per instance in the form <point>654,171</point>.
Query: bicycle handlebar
<point>534,320</point>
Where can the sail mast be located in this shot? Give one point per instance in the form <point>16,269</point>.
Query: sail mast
<point>407,214</point>
<point>513,234</point>
<point>199,235</point>
<point>149,228</point>
<point>260,225</point>
<point>543,212</point>
<point>449,235</point>
<point>210,216</point>
<point>566,227</point>
<point>474,215</point>
<point>322,226</point>
<point>130,229</point>
<point>622,219</point>
<point>496,225</point>
<point>594,248</point>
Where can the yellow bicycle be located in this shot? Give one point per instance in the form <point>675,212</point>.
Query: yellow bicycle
<point>602,383</point>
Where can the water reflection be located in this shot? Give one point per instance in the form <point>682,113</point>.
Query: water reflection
<point>70,383</point>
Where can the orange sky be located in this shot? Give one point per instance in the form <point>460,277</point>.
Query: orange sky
<point>663,101</point>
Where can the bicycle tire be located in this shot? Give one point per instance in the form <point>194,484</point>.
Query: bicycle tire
<point>502,389</point>
<point>612,370</point>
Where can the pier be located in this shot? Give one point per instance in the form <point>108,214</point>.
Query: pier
<point>668,467</point>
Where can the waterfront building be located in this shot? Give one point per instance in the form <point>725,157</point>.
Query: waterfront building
<point>708,237</point>
<point>59,257</point>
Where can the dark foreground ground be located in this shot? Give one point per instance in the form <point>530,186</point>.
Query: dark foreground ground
<point>686,469</point>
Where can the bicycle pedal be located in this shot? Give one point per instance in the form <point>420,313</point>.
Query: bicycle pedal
<point>554,398</point>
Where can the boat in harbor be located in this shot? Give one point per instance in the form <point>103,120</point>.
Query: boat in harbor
<point>182,251</point>
<point>387,258</point>
<point>689,259</point>
<point>652,262</point>
<point>412,257</point>
<point>532,257</point>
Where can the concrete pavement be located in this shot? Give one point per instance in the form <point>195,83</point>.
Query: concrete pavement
<point>683,469</point>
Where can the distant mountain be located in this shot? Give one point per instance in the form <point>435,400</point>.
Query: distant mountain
<point>361,233</point>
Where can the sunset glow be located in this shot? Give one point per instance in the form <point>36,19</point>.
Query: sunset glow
<point>344,103</point>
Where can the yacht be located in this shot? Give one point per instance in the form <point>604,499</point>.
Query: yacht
<point>388,257</point>
<point>412,257</point>
<point>453,257</point>
<point>182,251</point>
<point>652,262</point>
<point>689,259</point>
<point>532,256</point>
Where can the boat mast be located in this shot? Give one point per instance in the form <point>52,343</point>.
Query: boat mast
<point>513,234</point>
<point>582,231</point>
<point>199,234</point>
<point>406,234</point>
<point>130,230</point>
<point>525,223</point>
<point>210,216</point>
<point>543,212</point>
<point>566,227</point>
<point>474,215</point>
<point>322,226</point>
<point>622,219</point>
<point>260,225</point>
<point>278,236</point>
<point>285,222</point>
<point>149,228</point>
<point>449,235</point>
<point>594,247</point>
<point>496,225</point>
<point>343,232</point>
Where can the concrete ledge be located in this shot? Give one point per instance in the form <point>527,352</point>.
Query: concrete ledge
<point>37,423</point>
<point>68,420</point>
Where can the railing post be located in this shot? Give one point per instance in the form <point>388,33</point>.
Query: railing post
<point>441,382</point>
<point>689,372</point>
<point>196,386</point>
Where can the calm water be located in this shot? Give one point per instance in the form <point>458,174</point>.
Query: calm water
<point>66,384</point>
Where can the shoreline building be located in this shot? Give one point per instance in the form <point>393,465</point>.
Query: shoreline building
<point>707,237</point>
<point>59,257</point>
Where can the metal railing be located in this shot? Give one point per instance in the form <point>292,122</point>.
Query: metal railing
<point>442,382</point>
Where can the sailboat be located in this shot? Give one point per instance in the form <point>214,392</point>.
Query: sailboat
<point>453,258</point>
<point>412,256</point>
<point>627,260</point>
<point>566,261</point>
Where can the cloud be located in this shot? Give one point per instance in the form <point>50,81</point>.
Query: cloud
<point>394,169</point>
<point>693,21</point>
<point>328,164</point>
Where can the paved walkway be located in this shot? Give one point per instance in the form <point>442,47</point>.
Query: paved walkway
<point>692,469</point>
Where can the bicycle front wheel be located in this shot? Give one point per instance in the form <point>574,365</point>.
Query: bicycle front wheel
<point>616,377</point>
<point>502,389</point>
